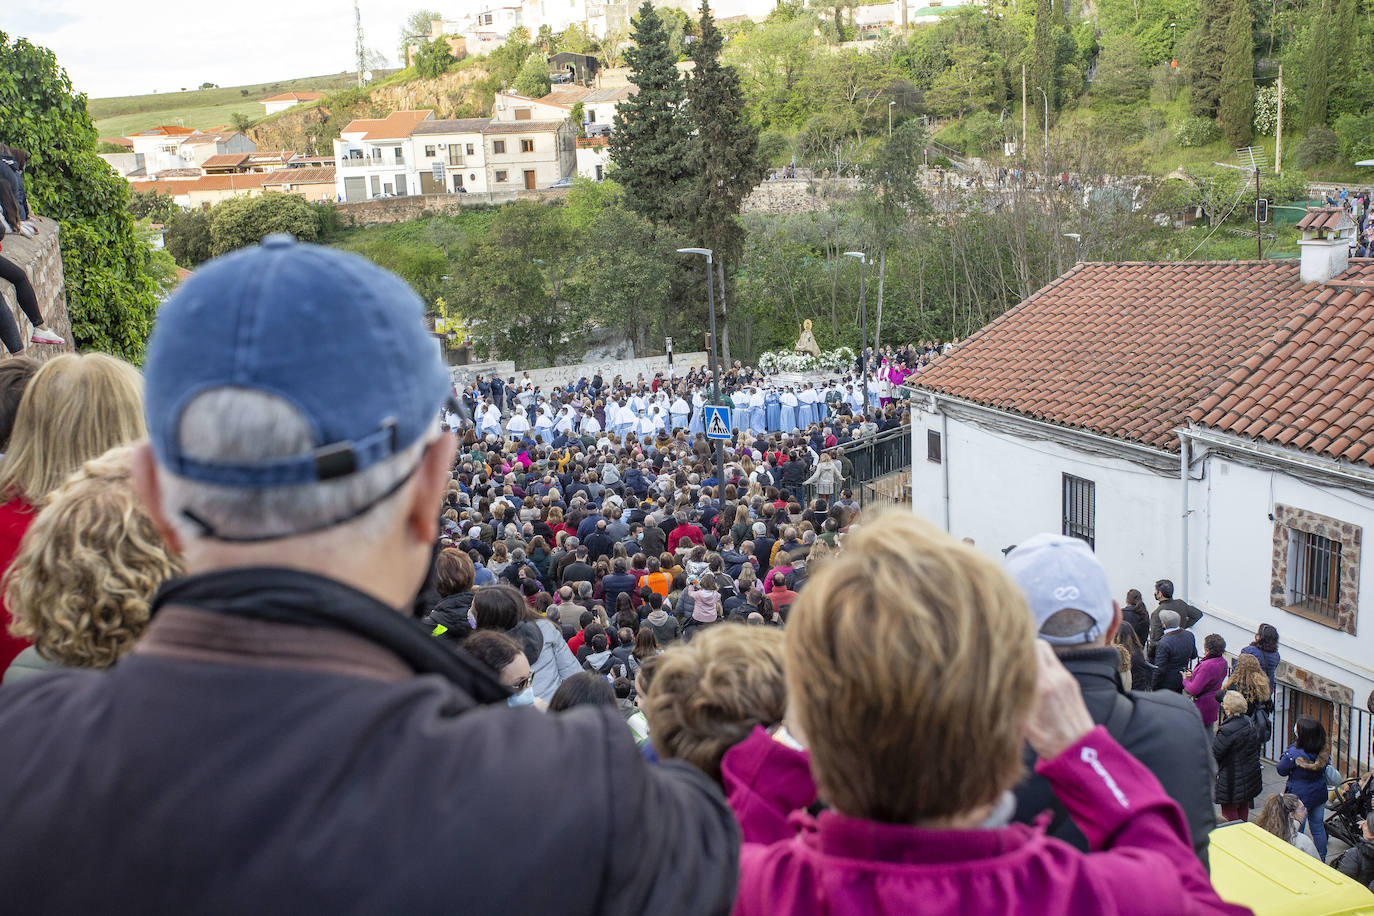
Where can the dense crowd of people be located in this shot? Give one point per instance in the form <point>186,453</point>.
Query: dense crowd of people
<point>278,640</point>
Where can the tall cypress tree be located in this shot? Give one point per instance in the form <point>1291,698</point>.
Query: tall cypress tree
<point>1316,91</point>
<point>1044,50</point>
<point>1237,110</point>
<point>1208,46</point>
<point>649,138</point>
<point>723,159</point>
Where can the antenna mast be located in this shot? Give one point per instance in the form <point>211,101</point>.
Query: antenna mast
<point>358,42</point>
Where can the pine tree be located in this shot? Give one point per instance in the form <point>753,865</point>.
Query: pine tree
<point>649,138</point>
<point>1315,94</point>
<point>1237,111</point>
<point>723,160</point>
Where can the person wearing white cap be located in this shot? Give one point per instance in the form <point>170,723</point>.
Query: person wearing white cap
<point>1066,588</point>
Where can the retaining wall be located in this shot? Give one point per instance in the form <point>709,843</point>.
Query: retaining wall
<point>562,375</point>
<point>41,259</point>
<point>401,209</point>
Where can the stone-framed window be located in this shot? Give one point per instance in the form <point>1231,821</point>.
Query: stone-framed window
<point>1315,570</point>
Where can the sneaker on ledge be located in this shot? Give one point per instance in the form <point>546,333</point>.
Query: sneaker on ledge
<point>44,336</point>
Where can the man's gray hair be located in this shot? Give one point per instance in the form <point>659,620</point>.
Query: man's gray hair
<point>244,425</point>
<point>1169,619</point>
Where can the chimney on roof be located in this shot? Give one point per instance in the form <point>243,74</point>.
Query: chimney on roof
<point>1327,233</point>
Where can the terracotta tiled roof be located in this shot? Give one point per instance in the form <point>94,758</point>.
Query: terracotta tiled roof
<point>1310,386</point>
<point>170,188</point>
<point>395,126</point>
<point>178,173</point>
<point>225,160</point>
<point>1325,218</point>
<point>1124,350</point>
<point>522,127</point>
<point>566,98</point>
<point>165,130</point>
<point>323,174</point>
<point>118,141</point>
<point>238,182</point>
<point>296,97</point>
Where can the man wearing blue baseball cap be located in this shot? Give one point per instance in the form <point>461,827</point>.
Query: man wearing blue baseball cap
<point>1066,588</point>
<point>284,739</point>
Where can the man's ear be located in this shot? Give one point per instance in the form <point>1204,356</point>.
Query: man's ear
<point>144,476</point>
<point>431,482</point>
<point>1115,624</point>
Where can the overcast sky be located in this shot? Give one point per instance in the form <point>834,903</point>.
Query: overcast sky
<point>116,49</point>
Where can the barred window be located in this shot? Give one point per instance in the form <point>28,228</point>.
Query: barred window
<point>1080,509</point>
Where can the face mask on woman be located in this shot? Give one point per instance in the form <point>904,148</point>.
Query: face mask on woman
<point>523,698</point>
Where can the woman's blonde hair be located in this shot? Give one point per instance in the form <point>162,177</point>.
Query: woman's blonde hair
<point>81,585</point>
<point>77,407</point>
<point>911,670</point>
<point>1233,703</point>
<point>1249,679</point>
<point>708,694</point>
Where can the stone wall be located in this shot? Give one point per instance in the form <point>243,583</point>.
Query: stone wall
<point>563,375</point>
<point>1287,520</point>
<point>41,259</point>
<point>799,195</point>
<point>401,209</point>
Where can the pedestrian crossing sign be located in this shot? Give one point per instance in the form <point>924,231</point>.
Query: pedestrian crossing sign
<point>717,421</point>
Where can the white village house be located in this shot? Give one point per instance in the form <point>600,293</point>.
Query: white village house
<point>1208,423</point>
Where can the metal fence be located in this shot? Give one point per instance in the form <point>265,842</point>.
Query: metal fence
<point>873,458</point>
<point>1350,728</point>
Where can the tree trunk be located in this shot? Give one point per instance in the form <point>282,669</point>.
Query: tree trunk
<point>882,273</point>
<point>724,320</point>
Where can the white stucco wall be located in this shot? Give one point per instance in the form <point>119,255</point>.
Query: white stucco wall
<point>1231,542</point>
<point>1004,489</point>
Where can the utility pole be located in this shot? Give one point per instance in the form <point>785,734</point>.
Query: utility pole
<point>358,42</point>
<point>1278,130</point>
<point>1046,95</point>
<point>1259,229</point>
<point>1024,135</point>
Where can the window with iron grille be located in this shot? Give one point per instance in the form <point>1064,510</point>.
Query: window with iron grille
<point>1314,573</point>
<point>933,446</point>
<point>1080,509</point>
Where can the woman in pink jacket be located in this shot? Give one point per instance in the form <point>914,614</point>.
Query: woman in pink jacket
<point>1206,678</point>
<point>915,727</point>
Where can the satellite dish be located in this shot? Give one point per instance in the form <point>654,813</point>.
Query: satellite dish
<point>367,76</point>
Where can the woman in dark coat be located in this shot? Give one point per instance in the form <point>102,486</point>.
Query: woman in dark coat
<point>1236,748</point>
<point>1137,616</point>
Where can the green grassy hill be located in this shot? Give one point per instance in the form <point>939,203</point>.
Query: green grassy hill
<point>124,115</point>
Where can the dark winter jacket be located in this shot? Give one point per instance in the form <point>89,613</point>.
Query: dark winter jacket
<point>290,745</point>
<point>1187,615</point>
<point>1236,749</point>
<point>616,584</point>
<point>1308,783</point>
<point>1161,730</point>
<point>1173,653</point>
<point>1358,862</point>
<point>451,613</point>
<point>1138,617</point>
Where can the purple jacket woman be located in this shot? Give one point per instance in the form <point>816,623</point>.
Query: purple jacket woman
<point>794,864</point>
<point>1202,686</point>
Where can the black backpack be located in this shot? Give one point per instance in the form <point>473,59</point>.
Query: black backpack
<point>1263,726</point>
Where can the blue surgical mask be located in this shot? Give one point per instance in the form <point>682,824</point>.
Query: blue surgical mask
<point>523,698</point>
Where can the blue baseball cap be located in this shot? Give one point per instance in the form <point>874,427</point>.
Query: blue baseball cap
<point>332,334</point>
<point>1057,573</point>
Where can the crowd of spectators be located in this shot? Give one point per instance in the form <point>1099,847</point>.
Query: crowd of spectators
<point>282,643</point>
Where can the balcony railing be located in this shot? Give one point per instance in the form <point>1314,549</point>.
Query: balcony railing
<point>347,163</point>
<point>874,457</point>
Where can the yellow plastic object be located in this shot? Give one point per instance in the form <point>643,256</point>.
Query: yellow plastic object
<point>1254,868</point>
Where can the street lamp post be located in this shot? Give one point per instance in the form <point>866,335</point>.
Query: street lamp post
<point>1046,96</point>
<point>863,311</point>
<point>715,364</point>
<point>890,106</point>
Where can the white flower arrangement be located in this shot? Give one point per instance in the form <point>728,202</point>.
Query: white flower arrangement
<point>775,361</point>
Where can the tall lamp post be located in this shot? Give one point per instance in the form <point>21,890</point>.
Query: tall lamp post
<point>890,106</point>
<point>1046,96</point>
<point>715,365</point>
<point>863,311</point>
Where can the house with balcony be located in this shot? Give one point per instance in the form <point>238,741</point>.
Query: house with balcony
<point>160,148</point>
<point>450,156</point>
<point>372,156</point>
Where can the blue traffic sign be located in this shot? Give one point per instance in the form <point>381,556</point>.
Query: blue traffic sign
<point>717,421</point>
